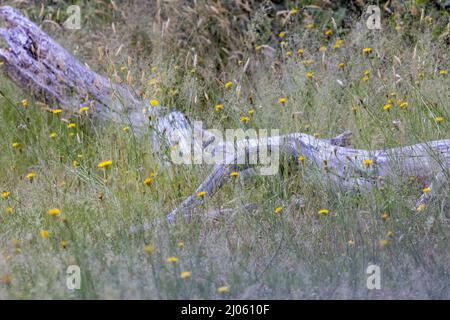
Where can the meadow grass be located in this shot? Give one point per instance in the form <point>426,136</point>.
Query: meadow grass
<point>112,224</point>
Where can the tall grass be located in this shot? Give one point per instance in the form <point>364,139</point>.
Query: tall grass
<point>111,220</point>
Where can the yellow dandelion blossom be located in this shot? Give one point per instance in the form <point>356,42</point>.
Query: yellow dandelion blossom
<point>185,274</point>
<point>172,259</point>
<point>300,52</point>
<point>30,176</point>
<point>403,104</point>
<point>154,103</point>
<point>53,135</point>
<point>443,72</point>
<point>104,164</point>
<point>148,181</point>
<point>301,159</point>
<point>293,11</point>
<point>15,145</point>
<point>341,65</point>
<point>309,75</point>
<point>426,189</point>
<point>387,107</point>
<point>278,210</point>
<point>71,126</point>
<point>289,53</point>
<point>56,111</point>
<point>228,85</point>
<point>234,174</point>
<point>180,244</point>
<point>251,112</point>
<point>383,243</point>
<point>367,162</point>
<point>148,248</point>
<point>421,207</point>
<point>367,51</point>
<point>201,194</point>
<point>24,103</point>
<point>83,109</point>
<point>385,216</point>
<point>54,212</point>
<point>282,34</point>
<point>43,233</point>
<point>218,107</point>
<point>322,49</point>
<point>9,210</point>
<point>323,212</point>
<point>390,234</point>
<point>126,129</point>
<point>244,119</point>
<point>328,32</point>
<point>5,194</point>
<point>338,43</point>
<point>439,119</point>
<point>282,100</point>
<point>223,289</point>
<point>351,242</point>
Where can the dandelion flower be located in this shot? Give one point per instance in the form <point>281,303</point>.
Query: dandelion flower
<point>301,159</point>
<point>384,216</point>
<point>251,112</point>
<point>71,126</point>
<point>5,195</point>
<point>180,244</point>
<point>310,26</point>
<point>244,119</point>
<point>54,212</point>
<point>148,248</point>
<point>148,181</point>
<point>439,119</point>
<point>104,164</point>
<point>63,244</point>
<point>282,100</point>
<point>185,274</point>
<point>341,65</point>
<point>223,289</point>
<point>390,234</point>
<point>278,210</point>
<point>351,242</point>
<point>218,107</point>
<point>387,106</point>
<point>201,194</point>
<point>383,243</point>
<point>53,135</point>
<point>9,210</point>
<point>420,207</point>
<point>43,233</point>
<point>328,32</point>
<point>126,129</point>
<point>367,51</point>
<point>322,49</point>
<point>300,52</point>
<point>289,53</point>
<point>154,103</point>
<point>172,259</point>
<point>228,85</point>
<point>15,145</point>
<point>24,103</point>
<point>234,174</point>
<point>56,111</point>
<point>30,176</point>
<point>293,11</point>
<point>367,162</point>
<point>323,212</point>
<point>426,189</point>
<point>443,72</point>
<point>309,75</point>
<point>282,34</point>
<point>83,109</point>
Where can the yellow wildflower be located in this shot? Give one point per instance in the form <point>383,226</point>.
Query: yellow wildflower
<point>328,32</point>
<point>367,162</point>
<point>234,174</point>
<point>53,135</point>
<point>387,106</point>
<point>278,210</point>
<point>323,212</point>
<point>83,109</point>
<point>5,195</point>
<point>56,111</point>
<point>24,103</point>
<point>105,164</point>
<point>30,176</point>
<point>218,107</point>
<point>367,51</point>
<point>426,189</point>
<point>300,52</point>
<point>148,248</point>
<point>63,244</point>
<point>201,194</point>
<point>244,119</point>
<point>126,129</point>
<point>384,216</point>
<point>54,211</point>
<point>148,181</point>
<point>71,126</point>
<point>223,289</point>
<point>9,210</point>
<point>43,233</point>
<point>228,85</point>
<point>185,274</point>
<point>383,243</point>
<point>282,100</point>
<point>172,259</point>
<point>341,65</point>
<point>154,103</point>
<point>443,72</point>
<point>282,34</point>
<point>439,119</point>
<point>309,75</point>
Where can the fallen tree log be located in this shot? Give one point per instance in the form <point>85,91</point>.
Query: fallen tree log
<point>39,65</point>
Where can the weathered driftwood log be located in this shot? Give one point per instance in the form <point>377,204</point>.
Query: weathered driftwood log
<point>345,167</point>
<point>38,64</point>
